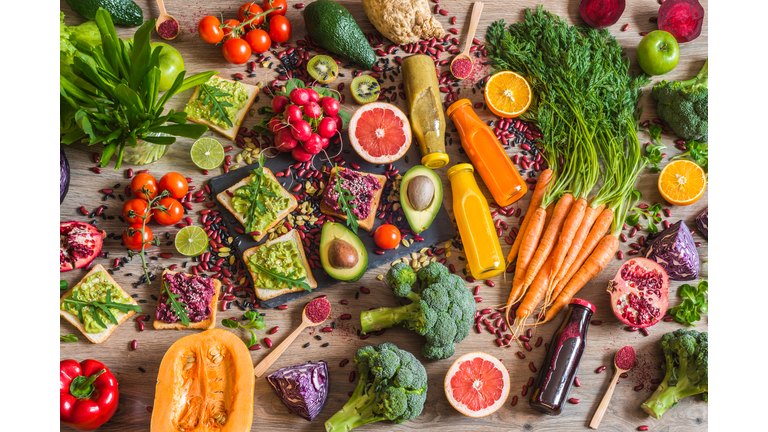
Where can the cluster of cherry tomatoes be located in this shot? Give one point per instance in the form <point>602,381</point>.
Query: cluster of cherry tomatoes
<point>247,34</point>
<point>167,210</point>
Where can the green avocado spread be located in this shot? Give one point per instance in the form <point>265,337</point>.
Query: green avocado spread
<point>238,96</point>
<point>281,257</point>
<point>273,205</point>
<point>94,288</point>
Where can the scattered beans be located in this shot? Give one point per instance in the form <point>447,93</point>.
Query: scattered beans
<point>600,369</point>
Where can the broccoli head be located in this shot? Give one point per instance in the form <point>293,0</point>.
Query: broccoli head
<point>684,105</point>
<point>392,386</point>
<point>442,310</point>
<point>400,277</point>
<point>686,370</point>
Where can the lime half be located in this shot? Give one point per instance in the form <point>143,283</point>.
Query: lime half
<point>207,153</point>
<point>191,241</point>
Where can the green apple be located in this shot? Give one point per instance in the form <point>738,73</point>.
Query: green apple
<point>171,64</point>
<point>658,53</point>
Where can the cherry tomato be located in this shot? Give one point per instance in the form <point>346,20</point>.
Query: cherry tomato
<point>236,51</point>
<point>173,213</point>
<point>140,207</point>
<point>174,183</point>
<point>209,29</point>
<point>133,242</point>
<point>143,180</point>
<point>248,11</point>
<point>279,29</point>
<point>282,6</point>
<point>229,29</point>
<point>387,236</point>
<point>258,40</point>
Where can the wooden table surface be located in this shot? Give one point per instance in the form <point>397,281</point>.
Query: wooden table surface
<point>137,388</point>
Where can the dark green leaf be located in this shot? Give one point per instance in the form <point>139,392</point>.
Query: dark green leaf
<point>345,118</point>
<point>253,340</point>
<point>192,130</point>
<point>280,277</point>
<point>68,338</point>
<point>195,80</point>
<point>229,323</point>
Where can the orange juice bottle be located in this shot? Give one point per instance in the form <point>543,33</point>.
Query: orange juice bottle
<point>481,245</point>
<point>487,155</point>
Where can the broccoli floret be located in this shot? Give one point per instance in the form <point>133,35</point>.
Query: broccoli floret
<point>686,369</point>
<point>394,390</point>
<point>400,277</point>
<point>684,105</point>
<point>442,310</point>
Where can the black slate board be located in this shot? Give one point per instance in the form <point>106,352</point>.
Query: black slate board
<point>440,231</point>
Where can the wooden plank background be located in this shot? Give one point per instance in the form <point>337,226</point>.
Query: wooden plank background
<point>137,388</point>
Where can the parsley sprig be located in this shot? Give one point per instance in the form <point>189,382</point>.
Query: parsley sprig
<point>650,213</point>
<point>344,200</point>
<point>695,303</point>
<point>211,96</point>
<point>256,322</point>
<point>177,307</point>
<point>253,192</point>
<point>95,306</point>
<point>280,277</point>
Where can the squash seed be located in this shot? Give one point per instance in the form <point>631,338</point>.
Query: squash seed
<point>404,242</point>
<point>188,366</point>
<point>190,359</point>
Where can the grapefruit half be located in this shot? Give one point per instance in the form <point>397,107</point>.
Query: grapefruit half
<point>380,132</point>
<point>477,384</point>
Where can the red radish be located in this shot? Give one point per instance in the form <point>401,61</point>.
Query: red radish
<point>292,113</point>
<point>681,18</point>
<point>339,123</point>
<point>601,13</point>
<point>639,292</point>
<point>275,125</point>
<point>327,127</point>
<point>313,144</point>
<point>284,141</point>
<point>299,96</point>
<point>279,103</point>
<point>300,155</point>
<point>325,142</point>
<point>330,105</point>
<point>312,110</point>
<point>312,93</point>
<point>301,130</point>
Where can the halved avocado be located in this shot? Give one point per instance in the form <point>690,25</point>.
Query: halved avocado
<point>421,195</point>
<point>342,253</point>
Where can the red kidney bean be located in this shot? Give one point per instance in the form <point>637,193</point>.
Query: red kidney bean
<point>532,367</point>
<point>520,354</point>
<point>573,401</point>
<point>538,341</point>
<point>274,330</point>
<point>514,400</point>
<point>134,344</point>
<point>639,387</point>
<point>365,290</point>
<point>631,328</point>
<point>527,346</point>
<point>600,369</point>
<point>525,391</point>
<point>141,326</point>
<point>327,329</point>
<point>343,362</point>
<point>576,382</point>
<point>596,322</point>
<point>642,428</point>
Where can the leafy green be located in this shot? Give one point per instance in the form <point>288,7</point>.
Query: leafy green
<point>211,95</point>
<point>178,308</point>
<point>697,152</point>
<point>345,203</point>
<point>280,277</point>
<point>86,34</point>
<point>256,322</point>
<point>68,338</point>
<point>95,306</point>
<point>653,151</point>
<point>253,192</point>
<point>63,285</point>
<point>650,213</point>
<point>123,106</point>
<point>695,302</point>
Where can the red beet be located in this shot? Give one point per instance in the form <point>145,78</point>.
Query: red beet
<point>681,18</point>
<point>601,13</point>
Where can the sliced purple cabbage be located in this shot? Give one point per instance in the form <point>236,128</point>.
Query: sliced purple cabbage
<point>63,175</point>
<point>675,250</point>
<point>702,221</point>
<point>302,388</point>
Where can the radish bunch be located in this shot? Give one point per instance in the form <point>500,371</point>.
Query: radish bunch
<point>303,122</point>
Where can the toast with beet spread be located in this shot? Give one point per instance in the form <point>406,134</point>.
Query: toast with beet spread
<point>367,223</point>
<point>205,324</point>
<point>226,200</point>
<point>268,293</point>
<point>111,327</point>
<point>231,133</point>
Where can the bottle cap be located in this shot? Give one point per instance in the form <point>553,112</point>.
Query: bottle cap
<point>460,167</point>
<point>435,160</point>
<point>456,105</point>
<point>583,303</point>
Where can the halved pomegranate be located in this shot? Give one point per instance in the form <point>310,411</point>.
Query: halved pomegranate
<point>639,292</point>
<point>79,244</point>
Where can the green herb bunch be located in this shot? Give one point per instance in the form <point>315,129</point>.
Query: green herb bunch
<point>651,214</point>
<point>695,303</point>
<point>125,106</point>
<point>255,321</point>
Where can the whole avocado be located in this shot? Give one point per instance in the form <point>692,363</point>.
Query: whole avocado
<point>124,12</point>
<point>333,27</point>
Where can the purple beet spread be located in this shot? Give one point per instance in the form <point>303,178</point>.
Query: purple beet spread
<point>196,293</point>
<point>362,186</point>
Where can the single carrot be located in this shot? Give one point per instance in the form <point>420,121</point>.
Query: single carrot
<point>590,214</point>
<point>564,240</point>
<point>601,226</point>
<point>538,195</point>
<point>547,242</point>
<point>527,248</point>
<point>596,262</point>
<point>534,294</point>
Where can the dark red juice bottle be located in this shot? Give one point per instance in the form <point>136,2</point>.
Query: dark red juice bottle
<point>562,361</point>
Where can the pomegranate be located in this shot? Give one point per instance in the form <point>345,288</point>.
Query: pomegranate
<point>79,244</point>
<point>639,292</point>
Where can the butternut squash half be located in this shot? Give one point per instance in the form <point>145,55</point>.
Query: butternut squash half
<point>205,384</point>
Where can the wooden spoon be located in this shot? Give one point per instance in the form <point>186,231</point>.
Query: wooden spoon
<point>262,367</point>
<point>477,9</point>
<point>598,417</point>
<point>163,18</point>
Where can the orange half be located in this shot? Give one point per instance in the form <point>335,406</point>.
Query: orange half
<point>507,94</point>
<point>682,182</point>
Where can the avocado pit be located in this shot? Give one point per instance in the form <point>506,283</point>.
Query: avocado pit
<point>341,254</point>
<point>421,191</point>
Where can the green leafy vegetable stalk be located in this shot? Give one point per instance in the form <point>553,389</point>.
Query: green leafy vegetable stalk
<point>256,322</point>
<point>95,306</point>
<point>695,302</point>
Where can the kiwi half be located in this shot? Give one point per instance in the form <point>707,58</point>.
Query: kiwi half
<point>323,69</point>
<point>365,89</point>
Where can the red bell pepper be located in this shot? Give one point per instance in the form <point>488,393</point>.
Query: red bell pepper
<point>88,394</point>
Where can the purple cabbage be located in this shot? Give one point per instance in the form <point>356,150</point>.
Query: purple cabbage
<point>63,175</point>
<point>302,388</point>
<point>702,221</point>
<point>675,250</point>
